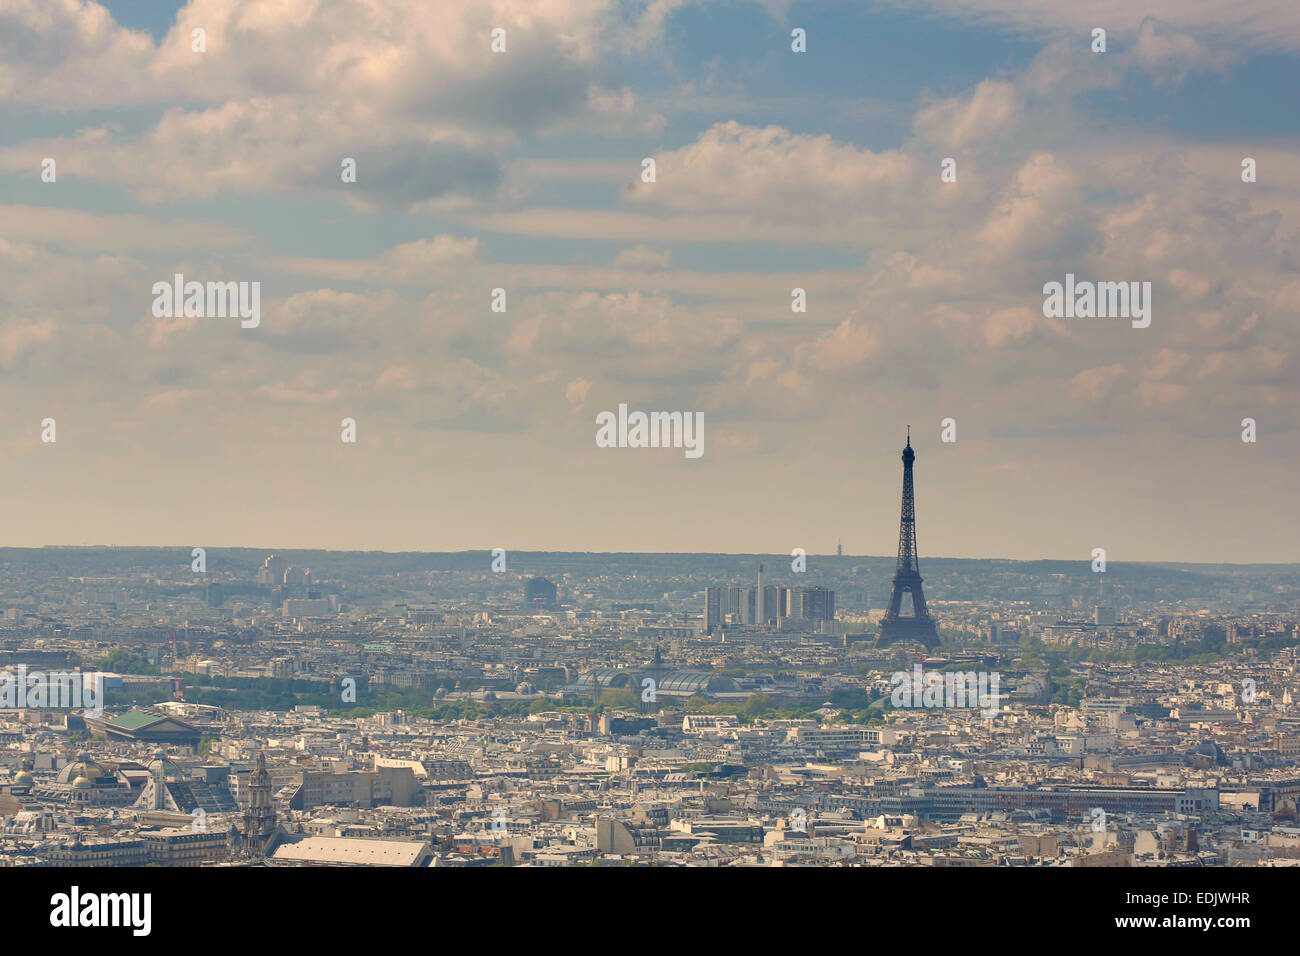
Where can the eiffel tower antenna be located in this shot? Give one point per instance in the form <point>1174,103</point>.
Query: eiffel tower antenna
<point>919,626</point>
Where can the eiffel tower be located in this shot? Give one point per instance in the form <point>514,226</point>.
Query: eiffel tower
<point>907,577</point>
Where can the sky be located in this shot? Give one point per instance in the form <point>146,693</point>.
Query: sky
<point>522,170</point>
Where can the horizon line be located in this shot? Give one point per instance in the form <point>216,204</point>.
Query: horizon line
<point>753,554</point>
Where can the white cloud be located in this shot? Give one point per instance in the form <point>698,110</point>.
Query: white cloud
<point>643,257</point>
<point>286,90</point>
<point>987,112</point>
<point>1264,24</point>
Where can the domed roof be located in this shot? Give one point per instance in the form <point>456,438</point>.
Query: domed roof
<point>81,783</point>
<point>170,771</point>
<point>697,682</point>
<point>82,767</point>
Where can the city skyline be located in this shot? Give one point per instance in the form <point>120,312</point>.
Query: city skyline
<point>278,710</point>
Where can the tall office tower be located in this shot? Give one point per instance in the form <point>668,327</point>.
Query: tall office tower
<point>839,549</point>
<point>812,604</point>
<point>272,571</point>
<point>714,599</point>
<point>918,626</point>
<point>818,604</point>
<point>735,603</point>
<point>744,610</point>
<point>297,581</point>
<point>759,617</point>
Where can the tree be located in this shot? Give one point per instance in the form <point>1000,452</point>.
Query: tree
<point>850,698</point>
<point>756,706</point>
<point>122,661</point>
<point>617,698</point>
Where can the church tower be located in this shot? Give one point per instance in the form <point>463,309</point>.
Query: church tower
<point>259,817</point>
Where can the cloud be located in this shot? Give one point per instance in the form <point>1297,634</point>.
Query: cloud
<point>798,177</point>
<point>18,337</point>
<point>843,349</point>
<point>1035,210</point>
<point>1008,326</point>
<point>643,257</point>
<point>421,261</point>
<point>1262,24</point>
<point>493,171</point>
<point>285,91</point>
<point>1096,384</point>
<point>78,230</point>
<point>68,52</point>
<point>987,112</point>
<point>1171,56</point>
<point>576,392</point>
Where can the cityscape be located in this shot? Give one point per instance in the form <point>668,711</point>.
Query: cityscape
<point>298,709</point>
<point>665,436</point>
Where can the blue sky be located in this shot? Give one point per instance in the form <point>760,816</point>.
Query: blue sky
<point>775,170</point>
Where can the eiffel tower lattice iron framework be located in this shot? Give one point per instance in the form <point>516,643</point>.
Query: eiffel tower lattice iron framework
<point>907,577</point>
